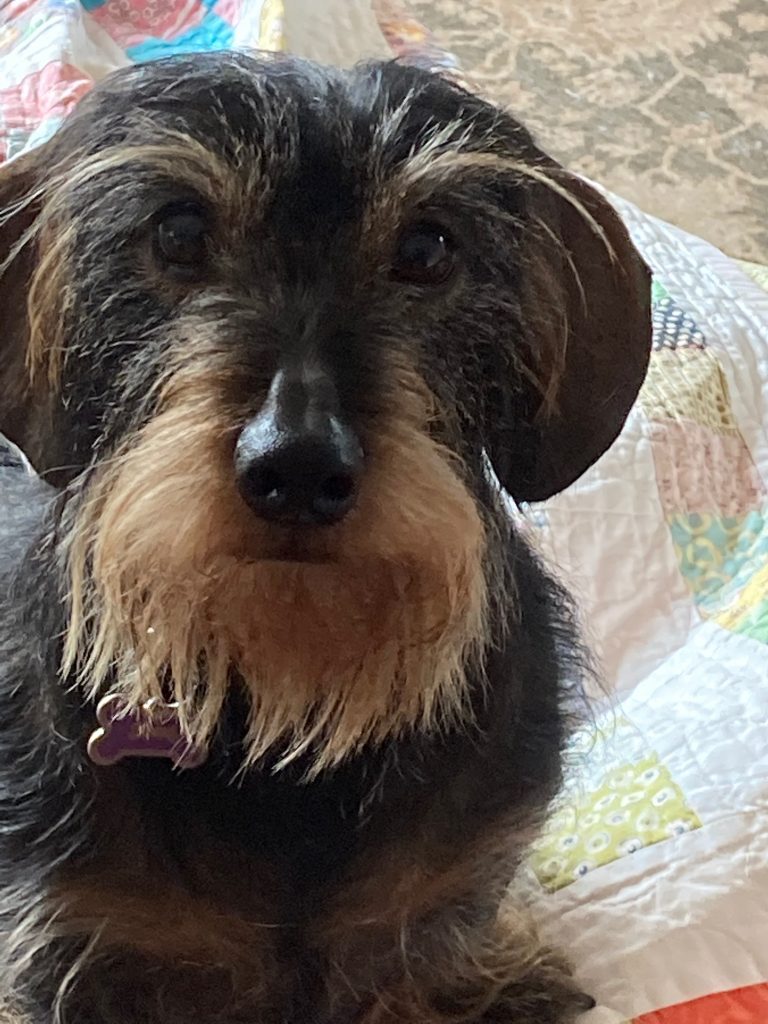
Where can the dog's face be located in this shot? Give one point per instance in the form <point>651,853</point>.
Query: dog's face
<point>267,322</point>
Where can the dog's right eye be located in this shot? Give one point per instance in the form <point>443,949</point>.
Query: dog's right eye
<point>181,238</point>
<point>425,255</point>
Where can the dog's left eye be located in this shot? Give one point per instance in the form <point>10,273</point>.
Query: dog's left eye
<point>181,236</point>
<point>425,255</point>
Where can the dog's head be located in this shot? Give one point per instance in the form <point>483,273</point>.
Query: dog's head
<point>267,322</point>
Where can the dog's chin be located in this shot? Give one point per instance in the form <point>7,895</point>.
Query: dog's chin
<point>292,556</point>
<point>334,651</point>
<point>288,559</point>
<point>297,546</point>
<point>344,634</point>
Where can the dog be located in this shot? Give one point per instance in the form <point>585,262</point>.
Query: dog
<point>284,690</point>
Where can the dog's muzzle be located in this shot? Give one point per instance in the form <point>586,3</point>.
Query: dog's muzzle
<point>297,463</point>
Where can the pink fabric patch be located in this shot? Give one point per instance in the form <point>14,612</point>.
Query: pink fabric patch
<point>229,10</point>
<point>15,9</point>
<point>50,93</point>
<point>698,470</point>
<point>130,22</point>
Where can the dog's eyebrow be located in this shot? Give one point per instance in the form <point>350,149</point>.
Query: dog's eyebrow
<point>187,161</point>
<point>436,164</point>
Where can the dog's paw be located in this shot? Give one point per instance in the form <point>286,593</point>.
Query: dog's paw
<point>547,997</point>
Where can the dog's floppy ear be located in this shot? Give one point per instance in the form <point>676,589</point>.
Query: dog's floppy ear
<point>20,199</point>
<point>19,184</point>
<point>586,338</point>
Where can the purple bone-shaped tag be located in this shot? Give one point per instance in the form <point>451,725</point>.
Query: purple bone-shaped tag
<point>152,730</point>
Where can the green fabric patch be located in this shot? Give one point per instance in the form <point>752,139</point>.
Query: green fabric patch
<point>755,623</point>
<point>658,291</point>
<point>635,805</point>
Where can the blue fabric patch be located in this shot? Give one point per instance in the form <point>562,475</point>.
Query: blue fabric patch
<point>213,33</point>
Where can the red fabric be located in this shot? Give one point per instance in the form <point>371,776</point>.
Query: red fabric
<point>739,1006</point>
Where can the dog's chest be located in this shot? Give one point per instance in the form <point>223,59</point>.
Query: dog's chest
<point>205,820</point>
<point>190,868</point>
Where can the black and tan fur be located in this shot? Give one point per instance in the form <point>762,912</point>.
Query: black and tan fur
<point>385,700</point>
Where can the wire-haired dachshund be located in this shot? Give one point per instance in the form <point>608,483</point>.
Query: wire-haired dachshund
<point>284,692</point>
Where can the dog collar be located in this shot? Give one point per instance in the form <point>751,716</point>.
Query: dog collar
<point>151,730</point>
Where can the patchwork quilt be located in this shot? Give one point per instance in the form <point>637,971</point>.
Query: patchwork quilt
<point>653,871</point>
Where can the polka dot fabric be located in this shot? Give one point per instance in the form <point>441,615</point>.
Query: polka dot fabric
<point>636,805</point>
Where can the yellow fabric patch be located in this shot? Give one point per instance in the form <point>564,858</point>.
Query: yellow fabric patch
<point>756,271</point>
<point>636,805</point>
<point>749,612</point>
<point>271,22</point>
<point>688,384</point>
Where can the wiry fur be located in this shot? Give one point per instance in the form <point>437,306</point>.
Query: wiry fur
<point>390,623</point>
<point>385,701</point>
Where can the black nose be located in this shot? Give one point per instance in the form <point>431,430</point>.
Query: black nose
<point>297,463</point>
